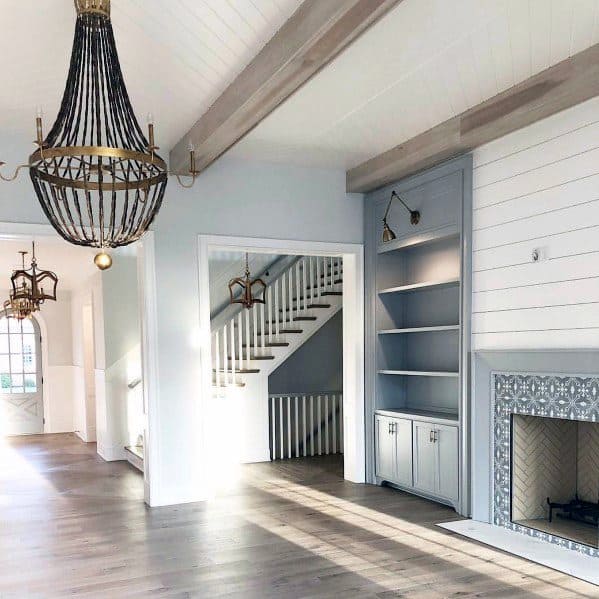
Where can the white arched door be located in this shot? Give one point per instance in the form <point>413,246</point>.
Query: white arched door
<point>21,400</point>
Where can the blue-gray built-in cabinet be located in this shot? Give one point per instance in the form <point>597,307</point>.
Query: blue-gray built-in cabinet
<point>418,290</point>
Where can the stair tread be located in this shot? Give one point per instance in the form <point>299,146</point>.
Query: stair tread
<point>269,344</point>
<point>254,358</point>
<point>332,293</point>
<point>238,370</point>
<point>310,307</point>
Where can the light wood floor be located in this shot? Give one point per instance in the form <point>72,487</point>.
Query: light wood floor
<point>73,525</point>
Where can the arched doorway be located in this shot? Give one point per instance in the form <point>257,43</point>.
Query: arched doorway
<point>21,398</point>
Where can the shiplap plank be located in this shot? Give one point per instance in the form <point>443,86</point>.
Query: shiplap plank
<point>582,139</point>
<point>545,177</point>
<point>554,338</point>
<point>533,296</point>
<point>582,25</point>
<point>571,193</point>
<point>579,316</point>
<point>578,241</point>
<point>548,223</point>
<point>559,269</point>
<point>519,27</point>
<point>537,133</point>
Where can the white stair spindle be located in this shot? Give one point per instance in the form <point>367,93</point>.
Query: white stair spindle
<point>331,274</point>
<point>248,338</point>
<point>319,426</point>
<point>281,440</point>
<point>318,261</point>
<point>326,424</point>
<point>288,426</point>
<point>283,300</point>
<point>341,423</point>
<point>304,402</point>
<point>296,426</point>
<point>297,289</point>
<point>312,424</point>
<point>262,328</point>
<point>273,426</point>
<point>334,402</point>
<point>240,339</point>
<point>290,297</point>
<point>233,369</point>
<point>312,283</point>
<point>277,328</point>
<point>269,302</point>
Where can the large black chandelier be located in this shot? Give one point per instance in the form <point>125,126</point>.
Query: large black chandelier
<point>97,177</point>
<point>30,288</point>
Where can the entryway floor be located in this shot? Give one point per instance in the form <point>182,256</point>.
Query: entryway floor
<point>73,525</point>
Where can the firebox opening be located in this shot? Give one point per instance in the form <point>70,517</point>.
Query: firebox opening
<point>555,477</point>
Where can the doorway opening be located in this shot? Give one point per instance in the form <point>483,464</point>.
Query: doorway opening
<point>279,375</point>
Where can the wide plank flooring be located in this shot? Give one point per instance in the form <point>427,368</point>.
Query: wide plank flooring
<point>72,525</point>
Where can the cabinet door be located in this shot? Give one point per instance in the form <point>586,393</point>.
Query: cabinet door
<point>447,451</point>
<point>425,462</point>
<point>403,441</point>
<point>385,456</point>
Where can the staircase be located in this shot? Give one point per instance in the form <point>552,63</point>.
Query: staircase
<point>253,343</point>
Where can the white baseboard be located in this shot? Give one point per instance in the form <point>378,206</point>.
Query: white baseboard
<point>111,454</point>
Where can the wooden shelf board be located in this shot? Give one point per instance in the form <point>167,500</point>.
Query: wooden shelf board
<point>449,327</point>
<point>421,238</point>
<point>417,414</point>
<point>421,286</point>
<point>419,373</point>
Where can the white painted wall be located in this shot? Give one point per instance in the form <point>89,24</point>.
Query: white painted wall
<point>231,198</point>
<point>538,188</point>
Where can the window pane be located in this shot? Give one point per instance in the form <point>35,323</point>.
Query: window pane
<point>4,364</point>
<point>30,384</point>
<point>16,344</point>
<point>29,363</point>
<point>28,344</point>
<point>16,363</point>
<point>5,382</point>
<point>17,381</point>
<point>3,344</point>
<point>14,325</point>
<point>27,326</point>
<point>3,325</point>
<point>16,390</point>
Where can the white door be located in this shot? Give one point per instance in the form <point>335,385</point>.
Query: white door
<point>447,448</point>
<point>21,401</point>
<point>385,457</point>
<point>425,462</point>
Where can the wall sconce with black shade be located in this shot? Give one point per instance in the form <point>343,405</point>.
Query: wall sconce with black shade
<point>388,234</point>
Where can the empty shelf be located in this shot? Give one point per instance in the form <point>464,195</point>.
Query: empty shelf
<point>449,327</point>
<point>421,238</point>
<point>421,286</point>
<point>419,373</point>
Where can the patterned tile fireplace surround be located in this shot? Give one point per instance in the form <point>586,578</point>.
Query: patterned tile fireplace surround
<point>550,423</point>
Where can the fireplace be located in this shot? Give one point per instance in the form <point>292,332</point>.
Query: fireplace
<point>545,448</point>
<point>555,477</point>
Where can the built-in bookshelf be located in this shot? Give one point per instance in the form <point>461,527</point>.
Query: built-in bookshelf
<point>418,300</point>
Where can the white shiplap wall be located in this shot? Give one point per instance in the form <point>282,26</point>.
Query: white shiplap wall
<point>538,188</point>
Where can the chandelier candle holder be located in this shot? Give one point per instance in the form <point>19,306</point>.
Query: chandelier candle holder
<point>97,177</point>
<point>247,297</point>
<point>27,288</point>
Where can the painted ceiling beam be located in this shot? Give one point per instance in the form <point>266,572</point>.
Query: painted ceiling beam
<point>308,40</point>
<point>561,86</point>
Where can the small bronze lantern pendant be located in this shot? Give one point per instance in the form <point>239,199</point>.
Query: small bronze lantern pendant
<point>247,297</point>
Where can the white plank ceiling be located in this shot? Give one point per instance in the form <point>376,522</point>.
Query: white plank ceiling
<point>423,63</point>
<point>177,57</point>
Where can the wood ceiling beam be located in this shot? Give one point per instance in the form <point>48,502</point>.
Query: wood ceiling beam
<point>561,86</point>
<point>313,35</point>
